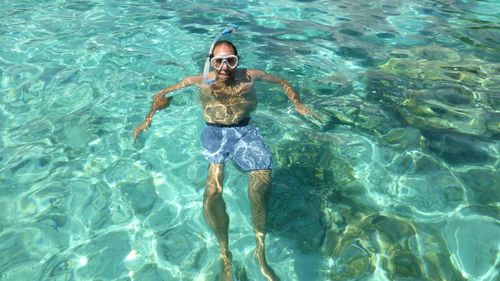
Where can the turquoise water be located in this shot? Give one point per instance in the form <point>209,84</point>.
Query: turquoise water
<point>402,182</point>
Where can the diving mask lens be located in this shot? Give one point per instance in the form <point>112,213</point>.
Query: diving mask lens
<point>231,61</point>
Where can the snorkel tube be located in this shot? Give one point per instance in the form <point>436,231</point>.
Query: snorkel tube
<point>227,30</point>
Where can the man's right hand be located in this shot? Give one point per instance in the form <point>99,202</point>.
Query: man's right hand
<point>143,127</point>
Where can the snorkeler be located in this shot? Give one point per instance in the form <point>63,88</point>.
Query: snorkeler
<point>227,105</point>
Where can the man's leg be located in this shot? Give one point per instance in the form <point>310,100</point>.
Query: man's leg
<point>216,216</point>
<point>258,190</point>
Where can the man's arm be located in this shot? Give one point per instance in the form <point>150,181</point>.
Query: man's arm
<point>160,101</point>
<point>260,75</point>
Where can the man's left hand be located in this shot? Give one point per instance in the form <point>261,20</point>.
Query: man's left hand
<point>160,102</point>
<point>304,110</point>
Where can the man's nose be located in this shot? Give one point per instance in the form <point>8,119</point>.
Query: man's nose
<point>224,65</point>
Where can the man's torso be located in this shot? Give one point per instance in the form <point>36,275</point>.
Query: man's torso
<point>229,104</point>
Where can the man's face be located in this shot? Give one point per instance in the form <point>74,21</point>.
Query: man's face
<point>225,72</point>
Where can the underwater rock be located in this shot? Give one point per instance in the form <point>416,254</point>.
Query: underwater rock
<point>388,244</point>
<point>392,230</point>
<point>26,247</point>
<point>493,98</point>
<point>463,73</point>
<point>294,211</point>
<point>361,114</point>
<point>353,53</point>
<point>435,253</point>
<point>163,217</point>
<point>386,35</point>
<point>435,52</point>
<point>473,242</point>
<point>295,206</point>
<point>182,247</point>
<point>356,53</point>
<point>404,138</point>
<point>422,110</point>
<point>375,118</point>
<point>482,185</point>
<point>197,30</point>
<point>354,253</point>
<point>97,208</point>
<point>358,263</point>
<point>152,271</point>
<point>34,131</point>
<point>349,254</point>
<point>124,171</point>
<point>30,167</point>
<point>384,86</point>
<point>460,150</point>
<point>425,183</point>
<point>350,32</point>
<point>343,109</point>
<point>316,161</point>
<point>105,254</point>
<point>493,122</point>
<point>141,196</point>
<point>402,264</point>
<point>442,90</point>
<point>484,36</point>
<point>343,172</point>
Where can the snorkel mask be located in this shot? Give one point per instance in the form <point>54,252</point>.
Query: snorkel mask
<point>231,61</point>
<point>217,62</point>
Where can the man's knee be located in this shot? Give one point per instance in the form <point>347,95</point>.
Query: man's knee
<point>260,177</point>
<point>259,183</point>
<point>212,191</point>
<point>213,188</point>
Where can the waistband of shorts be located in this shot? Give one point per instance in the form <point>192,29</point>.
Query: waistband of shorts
<point>242,123</point>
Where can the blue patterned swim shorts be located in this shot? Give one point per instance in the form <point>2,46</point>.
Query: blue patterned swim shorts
<point>243,144</point>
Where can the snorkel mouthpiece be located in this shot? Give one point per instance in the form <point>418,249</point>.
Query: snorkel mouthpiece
<point>228,30</point>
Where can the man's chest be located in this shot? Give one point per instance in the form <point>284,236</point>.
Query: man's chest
<point>239,91</point>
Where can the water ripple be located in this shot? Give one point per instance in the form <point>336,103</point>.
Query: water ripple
<point>400,184</point>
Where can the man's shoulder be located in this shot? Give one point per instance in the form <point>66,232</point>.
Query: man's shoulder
<point>251,72</point>
<point>242,72</point>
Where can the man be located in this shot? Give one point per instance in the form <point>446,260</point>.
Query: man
<point>227,104</point>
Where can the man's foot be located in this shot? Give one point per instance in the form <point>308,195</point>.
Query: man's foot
<point>226,272</point>
<point>265,269</point>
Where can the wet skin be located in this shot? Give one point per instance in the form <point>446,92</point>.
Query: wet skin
<point>227,101</point>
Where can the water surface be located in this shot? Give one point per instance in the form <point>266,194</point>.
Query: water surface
<point>401,182</point>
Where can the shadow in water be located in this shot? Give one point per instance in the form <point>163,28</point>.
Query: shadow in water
<point>295,206</point>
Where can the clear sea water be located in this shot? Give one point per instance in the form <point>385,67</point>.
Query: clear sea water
<point>401,183</point>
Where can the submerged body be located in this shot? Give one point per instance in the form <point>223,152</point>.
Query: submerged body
<point>227,107</point>
<point>229,104</point>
